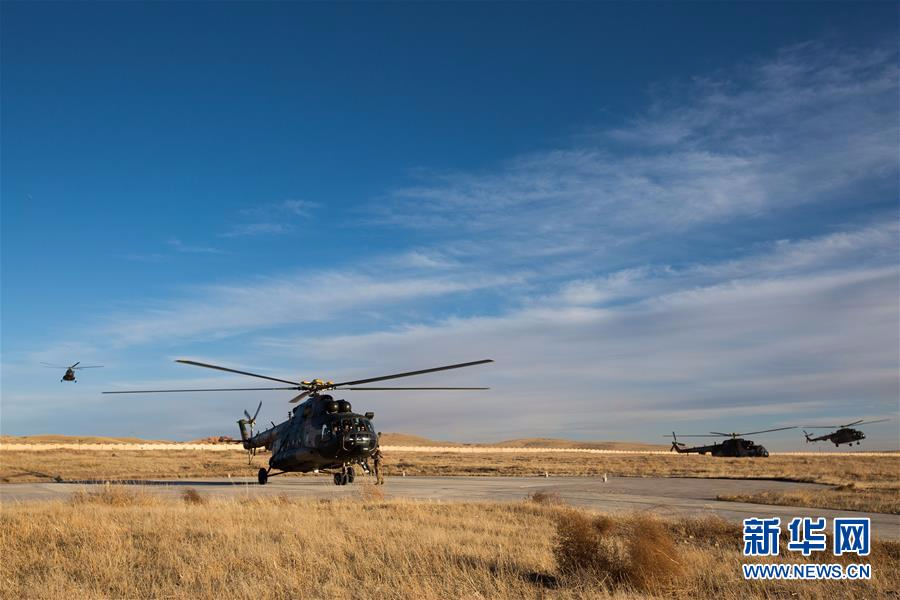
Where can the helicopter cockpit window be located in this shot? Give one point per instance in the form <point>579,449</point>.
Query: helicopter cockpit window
<point>326,432</point>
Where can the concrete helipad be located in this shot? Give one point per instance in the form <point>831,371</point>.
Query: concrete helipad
<point>664,496</point>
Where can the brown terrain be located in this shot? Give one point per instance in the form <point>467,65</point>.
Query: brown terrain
<point>118,543</point>
<point>861,481</point>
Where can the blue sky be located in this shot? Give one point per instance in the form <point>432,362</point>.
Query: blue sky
<point>653,216</point>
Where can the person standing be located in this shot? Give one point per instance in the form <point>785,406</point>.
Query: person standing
<point>376,460</point>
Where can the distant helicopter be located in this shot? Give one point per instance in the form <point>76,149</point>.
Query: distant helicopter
<point>70,371</point>
<point>735,447</point>
<point>845,434</point>
<point>321,434</point>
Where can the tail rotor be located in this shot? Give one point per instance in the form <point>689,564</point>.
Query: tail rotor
<point>246,427</point>
<point>676,445</point>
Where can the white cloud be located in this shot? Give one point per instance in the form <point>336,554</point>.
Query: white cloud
<point>714,343</point>
<point>802,128</point>
<point>274,218</point>
<point>225,310</point>
<point>180,246</point>
<point>252,229</point>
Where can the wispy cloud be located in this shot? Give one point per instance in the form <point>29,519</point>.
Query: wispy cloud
<point>800,128</point>
<point>753,344</point>
<point>225,310</point>
<point>180,246</point>
<point>272,218</point>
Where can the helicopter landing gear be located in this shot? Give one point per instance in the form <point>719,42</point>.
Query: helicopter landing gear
<point>262,476</point>
<point>347,475</point>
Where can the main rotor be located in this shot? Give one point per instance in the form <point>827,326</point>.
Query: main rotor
<point>314,386</point>
<point>732,435</point>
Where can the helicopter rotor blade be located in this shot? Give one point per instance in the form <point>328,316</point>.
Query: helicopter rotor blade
<point>735,434</point>
<point>768,430</point>
<point>226,369</point>
<point>256,414</point>
<point>300,396</point>
<point>49,366</point>
<point>75,365</point>
<point>87,367</point>
<point>411,373</point>
<point>202,390</point>
<point>868,422</point>
<point>381,389</point>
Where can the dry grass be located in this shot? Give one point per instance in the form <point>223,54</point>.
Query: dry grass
<point>636,551</point>
<point>845,497</point>
<point>192,496</point>
<point>146,547</point>
<point>110,495</point>
<point>866,471</point>
<point>547,497</point>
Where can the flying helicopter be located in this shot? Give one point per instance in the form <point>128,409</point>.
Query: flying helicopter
<point>321,434</point>
<point>735,446</point>
<point>845,434</point>
<point>70,371</point>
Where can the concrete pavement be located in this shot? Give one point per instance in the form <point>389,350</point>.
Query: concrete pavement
<point>664,496</point>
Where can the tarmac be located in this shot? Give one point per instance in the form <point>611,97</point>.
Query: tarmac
<point>663,496</point>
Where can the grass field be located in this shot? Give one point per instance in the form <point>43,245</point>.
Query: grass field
<point>869,483</point>
<point>116,543</point>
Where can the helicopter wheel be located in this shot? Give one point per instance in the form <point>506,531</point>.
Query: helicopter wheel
<point>262,476</point>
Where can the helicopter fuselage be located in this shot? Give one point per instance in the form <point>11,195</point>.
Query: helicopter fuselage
<point>735,448</point>
<point>69,376</point>
<point>320,434</point>
<point>844,435</point>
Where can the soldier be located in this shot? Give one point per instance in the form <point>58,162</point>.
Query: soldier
<point>376,459</point>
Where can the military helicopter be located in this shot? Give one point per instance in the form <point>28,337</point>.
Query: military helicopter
<point>845,434</point>
<point>735,446</point>
<point>70,371</point>
<point>321,434</point>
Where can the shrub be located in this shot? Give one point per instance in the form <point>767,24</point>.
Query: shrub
<point>652,558</point>
<point>545,497</point>
<point>636,551</point>
<point>370,493</point>
<point>191,496</point>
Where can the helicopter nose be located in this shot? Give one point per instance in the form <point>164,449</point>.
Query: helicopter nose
<point>359,441</point>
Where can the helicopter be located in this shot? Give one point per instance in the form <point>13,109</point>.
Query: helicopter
<point>322,434</point>
<point>735,446</point>
<point>845,434</point>
<point>70,371</point>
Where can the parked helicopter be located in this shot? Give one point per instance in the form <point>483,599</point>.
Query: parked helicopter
<point>321,434</point>
<point>845,434</point>
<point>70,371</point>
<point>735,446</point>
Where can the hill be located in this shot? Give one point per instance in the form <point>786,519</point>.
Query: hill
<point>387,439</point>
<point>405,439</point>
<point>563,443</point>
<point>74,439</point>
